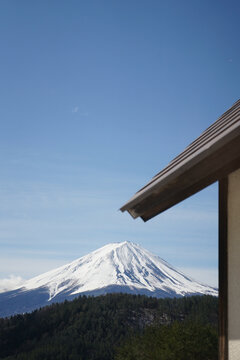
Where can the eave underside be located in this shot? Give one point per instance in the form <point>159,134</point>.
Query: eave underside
<point>175,183</point>
<point>205,173</point>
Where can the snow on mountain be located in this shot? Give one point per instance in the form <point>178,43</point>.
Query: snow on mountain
<point>124,264</point>
<point>117,267</point>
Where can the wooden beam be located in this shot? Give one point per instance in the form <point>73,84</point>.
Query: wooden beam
<point>223,269</point>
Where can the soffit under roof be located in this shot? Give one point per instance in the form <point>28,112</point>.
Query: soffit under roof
<point>214,154</point>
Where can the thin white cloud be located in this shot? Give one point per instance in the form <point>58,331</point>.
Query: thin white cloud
<point>81,114</point>
<point>75,109</point>
<point>10,283</point>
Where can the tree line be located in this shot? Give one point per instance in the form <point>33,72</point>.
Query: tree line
<point>114,327</point>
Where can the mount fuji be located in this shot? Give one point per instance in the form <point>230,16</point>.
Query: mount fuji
<point>116,267</point>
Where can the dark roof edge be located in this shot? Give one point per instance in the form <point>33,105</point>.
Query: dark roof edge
<point>206,148</point>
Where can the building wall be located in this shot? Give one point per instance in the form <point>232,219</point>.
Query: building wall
<point>234,265</point>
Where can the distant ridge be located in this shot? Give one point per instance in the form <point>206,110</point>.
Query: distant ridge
<point>116,267</point>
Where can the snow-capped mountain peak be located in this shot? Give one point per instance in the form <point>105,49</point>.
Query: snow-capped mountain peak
<point>117,267</point>
<point>122,264</point>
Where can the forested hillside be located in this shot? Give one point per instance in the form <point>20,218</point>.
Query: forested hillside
<point>115,326</point>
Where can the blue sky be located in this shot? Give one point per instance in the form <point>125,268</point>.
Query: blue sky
<point>96,98</point>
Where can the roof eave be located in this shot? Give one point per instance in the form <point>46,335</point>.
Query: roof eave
<point>215,162</point>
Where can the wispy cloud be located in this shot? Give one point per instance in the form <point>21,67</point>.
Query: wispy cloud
<point>10,283</point>
<point>75,109</point>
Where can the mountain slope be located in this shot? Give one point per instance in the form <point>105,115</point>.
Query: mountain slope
<point>116,267</point>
